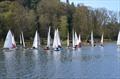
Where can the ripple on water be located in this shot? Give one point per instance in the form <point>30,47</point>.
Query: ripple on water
<point>84,63</point>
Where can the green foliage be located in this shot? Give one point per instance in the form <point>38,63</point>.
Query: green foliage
<point>29,15</point>
<point>63,27</point>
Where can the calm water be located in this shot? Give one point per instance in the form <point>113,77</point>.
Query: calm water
<point>84,63</point>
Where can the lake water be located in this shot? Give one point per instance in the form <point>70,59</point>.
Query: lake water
<point>84,63</point>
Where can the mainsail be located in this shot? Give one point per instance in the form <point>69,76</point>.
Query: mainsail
<point>36,42</point>
<point>9,41</point>
<point>92,41</point>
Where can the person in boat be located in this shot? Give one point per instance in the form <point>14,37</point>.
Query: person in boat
<point>79,45</point>
<point>101,45</point>
<point>94,44</point>
<point>88,42</point>
<point>57,49</point>
<point>47,48</point>
<point>34,48</point>
<point>59,46</point>
<point>76,46</point>
<point>13,46</point>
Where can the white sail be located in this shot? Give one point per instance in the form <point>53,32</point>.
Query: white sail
<point>118,39</point>
<point>55,40</point>
<point>9,41</point>
<point>13,41</point>
<point>58,38</point>
<point>101,40</point>
<point>92,41</point>
<point>23,42</point>
<point>20,39</point>
<point>48,38</point>
<point>68,40</point>
<point>73,39</point>
<point>76,39</point>
<point>79,39</point>
<point>36,41</point>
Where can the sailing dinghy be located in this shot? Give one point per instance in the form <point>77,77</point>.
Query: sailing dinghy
<point>101,42</point>
<point>56,42</point>
<point>48,40</point>
<point>92,40</point>
<point>9,41</point>
<point>36,42</point>
<point>118,39</point>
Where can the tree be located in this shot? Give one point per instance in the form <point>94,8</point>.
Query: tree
<point>63,27</point>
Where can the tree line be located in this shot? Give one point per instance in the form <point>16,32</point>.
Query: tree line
<point>29,15</point>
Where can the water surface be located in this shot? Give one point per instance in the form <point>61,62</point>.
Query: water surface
<point>84,63</point>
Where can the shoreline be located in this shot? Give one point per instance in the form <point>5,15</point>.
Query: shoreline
<point>64,43</point>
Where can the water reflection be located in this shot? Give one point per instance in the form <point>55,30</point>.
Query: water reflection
<point>10,64</point>
<point>23,64</point>
<point>118,49</point>
<point>83,63</point>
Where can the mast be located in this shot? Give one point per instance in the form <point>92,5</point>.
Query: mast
<point>73,39</point>
<point>23,42</point>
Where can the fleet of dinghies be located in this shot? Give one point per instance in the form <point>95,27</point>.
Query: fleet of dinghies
<point>76,40</point>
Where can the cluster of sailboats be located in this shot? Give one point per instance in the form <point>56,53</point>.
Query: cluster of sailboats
<point>57,46</point>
